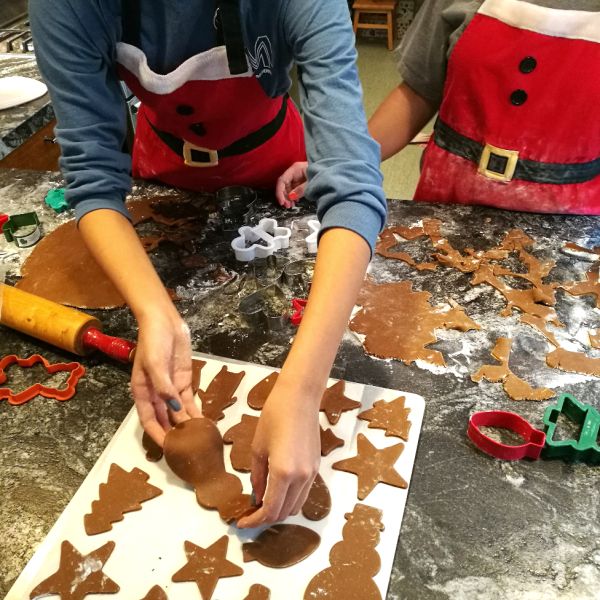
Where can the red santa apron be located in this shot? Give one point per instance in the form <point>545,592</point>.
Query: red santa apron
<point>209,123</point>
<point>519,124</point>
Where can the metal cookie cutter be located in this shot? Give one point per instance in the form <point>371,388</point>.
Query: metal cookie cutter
<point>76,370</point>
<point>298,275</point>
<point>534,438</point>
<point>585,448</point>
<point>267,306</point>
<point>24,230</point>
<point>311,239</point>
<point>260,241</point>
<point>236,205</point>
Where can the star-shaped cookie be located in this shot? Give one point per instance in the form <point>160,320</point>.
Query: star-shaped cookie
<point>78,575</point>
<point>334,403</point>
<point>205,566</point>
<point>372,466</point>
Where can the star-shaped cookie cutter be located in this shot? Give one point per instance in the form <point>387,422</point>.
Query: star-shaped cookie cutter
<point>76,370</point>
<point>585,448</point>
<point>248,245</point>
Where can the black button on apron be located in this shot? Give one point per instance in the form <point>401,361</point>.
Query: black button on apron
<point>528,64</point>
<point>518,97</point>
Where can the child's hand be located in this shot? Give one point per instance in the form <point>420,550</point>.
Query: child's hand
<point>290,186</point>
<point>286,455</point>
<point>161,380</point>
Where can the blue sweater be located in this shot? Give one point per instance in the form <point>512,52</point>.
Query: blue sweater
<point>75,44</point>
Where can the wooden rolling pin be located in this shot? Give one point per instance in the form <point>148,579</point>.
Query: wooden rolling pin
<point>63,327</point>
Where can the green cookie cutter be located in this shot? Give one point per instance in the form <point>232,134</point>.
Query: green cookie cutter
<point>55,199</point>
<point>584,449</point>
<point>24,230</point>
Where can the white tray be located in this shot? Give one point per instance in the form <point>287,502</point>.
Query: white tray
<point>149,543</point>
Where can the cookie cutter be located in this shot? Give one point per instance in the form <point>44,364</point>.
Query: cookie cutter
<point>585,448</point>
<point>260,241</point>
<point>534,438</point>
<point>259,308</point>
<point>24,229</point>
<point>3,219</point>
<point>298,306</point>
<point>55,199</point>
<point>297,275</point>
<point>76,370</point>
<point>237,207</point>
<point>311,239</point>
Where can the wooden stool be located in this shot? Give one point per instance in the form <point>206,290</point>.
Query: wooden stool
<point>376,7</point>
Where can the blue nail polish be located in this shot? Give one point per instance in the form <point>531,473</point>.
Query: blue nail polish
<point>253,498</point>
<point>174,404</point>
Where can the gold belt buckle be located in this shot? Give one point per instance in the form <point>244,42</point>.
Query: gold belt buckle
<point>512,156</point>
<point>213,156</point>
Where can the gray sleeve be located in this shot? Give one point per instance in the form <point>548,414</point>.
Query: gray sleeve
<point>424,50</point>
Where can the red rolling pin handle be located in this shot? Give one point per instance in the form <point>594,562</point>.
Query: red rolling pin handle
<point>114,347</point>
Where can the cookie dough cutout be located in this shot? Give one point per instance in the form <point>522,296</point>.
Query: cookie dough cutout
<point>219,394</point>
<point>205,566</point>
<point>281,546</point>
<point>329,441</point>
<point>391,416</point>
<point>400,323</point>
<point>318,503</point>
<point>589,287</point>
<point>258,592</point>
<point>78,575</point>
<point>515,387</point>
<point>354,560</point>
<point>334,402</point>
<point>573,362</point>
<point>372,466</point>
<point>153,451</point>
<point>258,395</point>
<point>197,366</point>
<point>123,492</point>
<point>156,593</point>
<point>241,436</point>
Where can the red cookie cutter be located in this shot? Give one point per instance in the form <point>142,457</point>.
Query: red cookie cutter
<point>534,438</point>
<point>37,389</point>
<point>298,306</point>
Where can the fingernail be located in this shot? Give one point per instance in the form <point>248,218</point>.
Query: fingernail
<point>253,498</point>
<point>293,196</point>
<point>174,404</point>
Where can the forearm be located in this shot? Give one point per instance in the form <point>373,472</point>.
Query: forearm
<point>113,242</point>
<point>340,268</point>
<point>399,118</point>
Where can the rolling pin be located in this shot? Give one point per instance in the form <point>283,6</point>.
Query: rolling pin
<point>58,325</point>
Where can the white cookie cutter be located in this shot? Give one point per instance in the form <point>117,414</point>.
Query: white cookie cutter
<point>276,238</point>
<point>312,238</point>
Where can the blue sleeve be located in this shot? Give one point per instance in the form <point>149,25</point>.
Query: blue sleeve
<point>343,159</point>
<point>74,50</point>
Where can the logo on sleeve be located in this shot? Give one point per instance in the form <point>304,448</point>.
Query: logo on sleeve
<point>262,59</point>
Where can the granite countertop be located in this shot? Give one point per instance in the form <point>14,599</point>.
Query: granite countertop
<point>473,528</point>
<point>21,122</point>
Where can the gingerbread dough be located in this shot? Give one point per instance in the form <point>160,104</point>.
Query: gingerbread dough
<point>334,402</point>
<point>329,441</point>
<point>573,362</point>
<point>153,451</point>
<point>391,416</point>
<point>241,436</point>
<point>388,239</point>
<point>197,366</point>
<point>515,387</point>
<point>219,393</point>
<point>156,593</point>
<point>372,466</point>
<point>123,492</point>
<point>258,592</point>
<point>354,561</point>
<point>282,546</point>
<point>205,566</point>
<point>194,452</point>
<point>400,323</point>
<point>258,395</point>
<point>589,287</point>
<point>318,503</point>
<point>78,575</point>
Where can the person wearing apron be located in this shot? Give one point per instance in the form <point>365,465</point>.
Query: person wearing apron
<point>517,85</point>
<point>212,77</point>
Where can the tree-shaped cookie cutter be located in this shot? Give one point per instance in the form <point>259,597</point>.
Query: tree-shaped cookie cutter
<point>75,370</point>
<point>248,245</point>
<point>585,448</point>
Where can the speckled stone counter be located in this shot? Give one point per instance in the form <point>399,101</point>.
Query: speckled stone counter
<point>473,527</point>
<point>21,122</point>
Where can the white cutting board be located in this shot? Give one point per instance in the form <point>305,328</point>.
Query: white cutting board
<point>16,90</point>
<point>149,543</point>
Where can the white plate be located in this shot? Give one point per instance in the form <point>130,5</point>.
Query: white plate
<point>17,90</point>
